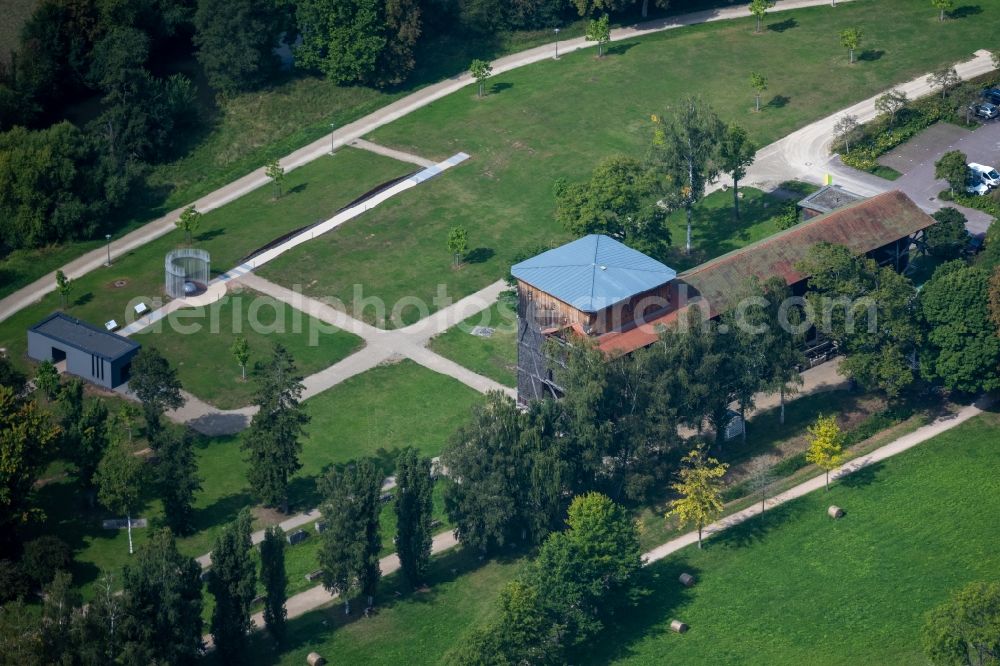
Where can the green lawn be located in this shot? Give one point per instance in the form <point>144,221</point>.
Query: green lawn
<point>791,588</point>
<point>559,118</point>
<point>203,357</point>
<point>796,587</point>
<point>494,357</point>
<point>314,192</point>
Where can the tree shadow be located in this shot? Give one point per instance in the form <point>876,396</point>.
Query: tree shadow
<point>863,475</point>
<point>500,87</point>
<point>657,608</point>
<point>620,48</point>
<point>221,511</point>
<point>210,234</point>
<point>297,189</point>
<point>871,55</point>
<point>479,255</point>
<point>778,102</point>
<point>782,26</point>
<point>84,298</point>
<point>965,11</point>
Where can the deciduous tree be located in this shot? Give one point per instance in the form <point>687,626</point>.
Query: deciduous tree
<point>235,42</point>
<point>481,70</point>
<point>276,173</point>
<point>945,79</point>
<point>154,382</point>
<point>272,442</point>
<point>414,503</point>
<point>64,286</point>
<point>758,8</point>
<point>599,30</point>
<point>844,129</point>
<point>965,630</point>
<point>759,84</point>
<point>241,352</point>
<point>943,7</point>
<point>458,244</point>
<point>233,584</point>
<point>736,154</point>
<point>685,148</point>
<point>118,480</point>
<point>177,477</point>
<point>760,477</point>
<point>890,104</point>
<point>47,379</point>
<point>700,490</point>
<point>188,222</point>
<point>953,168</point>
<point>344,39</point>
<point>826,445</point>
<point>948,238</point>
<point>850,38</point>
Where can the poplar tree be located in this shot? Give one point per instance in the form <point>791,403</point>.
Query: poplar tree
<point>414,503</point>
<point>177,476</point>
<point>275,579</point>
<point>233,583</point>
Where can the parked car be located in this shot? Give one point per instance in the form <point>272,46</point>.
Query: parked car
<point>992,95</point>
<point>987,174</point>
<point>985,110</point>
<point>975,185</point>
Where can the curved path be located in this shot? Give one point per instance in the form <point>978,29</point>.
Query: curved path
<point>356,130</point>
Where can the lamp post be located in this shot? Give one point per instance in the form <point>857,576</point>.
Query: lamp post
<point>333,127</point>
<point>556,30</point>
<point>107,237</point>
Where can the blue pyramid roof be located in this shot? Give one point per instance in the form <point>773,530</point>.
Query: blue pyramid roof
<point>593,273</point>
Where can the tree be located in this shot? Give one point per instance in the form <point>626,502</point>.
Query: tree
<point>188,222</point>
<point>943,6</point>
<point>520,633</point>
<point>154,382</point>
<point>758,8</point>
<point>344,39</point>
<point>458,244</point>
<point>241,351</point>
<point>275,579</point>
<point>965,630</point>
<point>850,38</point>
<point>826,445</point>
<point>118,478</point>
<point>159,617</point>
<point>760,476</point>
<point>700,491</point>
<point>953,168</point>
<point>481,70</point>
<point>276,173</point>
<point>64,286</point>
<point>599,30</point>
<point>43,558</point>
<point>623,199</point>
<point>784,340</point>
<point>11,377</point>
<point>60,604</point>
<point>736,154</point>
<point>871,312</point>
<point>350,544</point>
<point>963,349</point>
<point>90,439</point>
<point>948,238</point>
<point>233,584</point>
<point>890,104</point>
<point>589,7</point>
<point>236,40</point>
<point>27,439</point>
<point>414,504</point>
<point>685,146</point>
<point>759,84</point>
<point>945,79</point>
<point>177,477</point>
<point>844,129</point>
<point>272,442</point>
<point>47,379</point>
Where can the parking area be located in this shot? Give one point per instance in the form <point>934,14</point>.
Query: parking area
<point>915,160</point>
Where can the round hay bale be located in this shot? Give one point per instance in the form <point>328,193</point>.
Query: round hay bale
<point>314,659</point>
<point>686,579</point>
<point>835,512</point>
<point>678,627</point>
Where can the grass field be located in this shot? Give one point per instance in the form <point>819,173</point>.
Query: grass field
<point>314,192</point>
<point>557,119</point>
<point>494,357</point>
<point>204,360</point>
<point>791,588</point>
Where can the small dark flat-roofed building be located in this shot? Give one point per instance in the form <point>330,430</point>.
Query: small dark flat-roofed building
<point>89,352</point>
<point>597,288</point>
<point>826,200</point>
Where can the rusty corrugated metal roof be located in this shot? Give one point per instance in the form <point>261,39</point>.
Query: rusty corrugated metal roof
<point>715,285</point>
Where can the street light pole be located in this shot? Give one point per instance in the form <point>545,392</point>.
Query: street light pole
<point>107,237</point>
<point>333,145</point>
<point>556,30</point>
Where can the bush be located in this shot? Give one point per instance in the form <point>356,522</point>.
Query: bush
<point>788,217</point>
<point>43,557</point>
<point>13,583</point>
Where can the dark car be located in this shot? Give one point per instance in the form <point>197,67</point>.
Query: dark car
<point>985,110</point>
<point>992,95</point>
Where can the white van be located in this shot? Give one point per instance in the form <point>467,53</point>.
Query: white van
<point>987,174</point>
